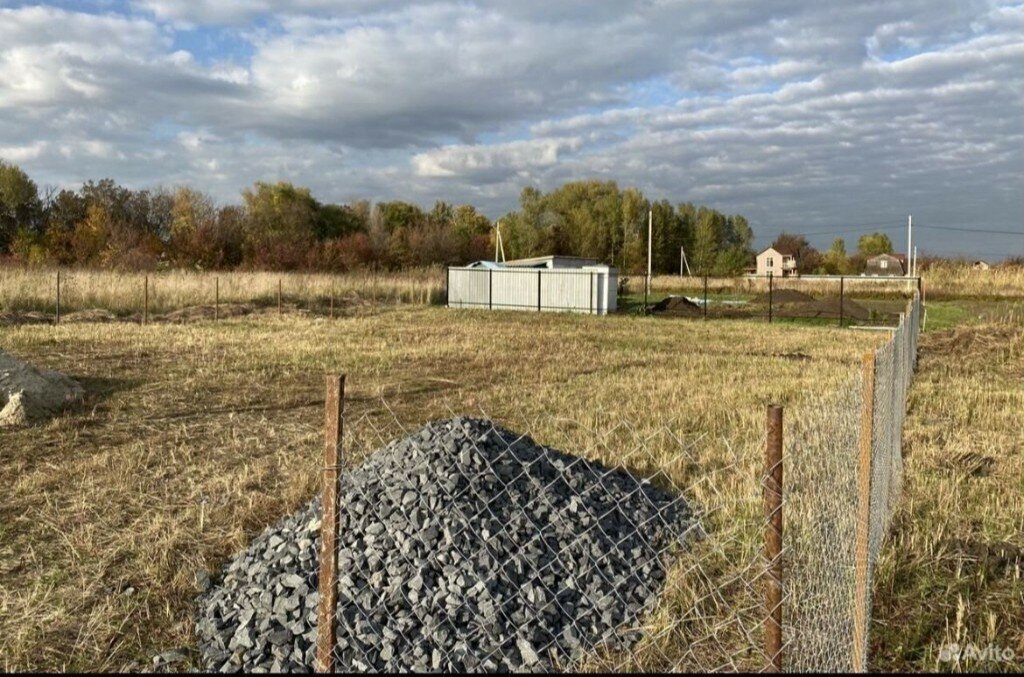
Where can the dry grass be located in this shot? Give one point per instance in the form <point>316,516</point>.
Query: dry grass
<point>940,282</point>
<point>34,289</point>
<point>952,570</point>
<point>197,436</point>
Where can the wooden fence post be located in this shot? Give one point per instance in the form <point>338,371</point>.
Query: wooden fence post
<point>862,564</point>
<point>773,538</point>
<point>334,429</point>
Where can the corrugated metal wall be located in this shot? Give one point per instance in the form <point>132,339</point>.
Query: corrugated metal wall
<point>580,290</point>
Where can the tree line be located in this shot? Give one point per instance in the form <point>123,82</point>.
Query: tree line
<point>281,226</point>
<point>835,260</point>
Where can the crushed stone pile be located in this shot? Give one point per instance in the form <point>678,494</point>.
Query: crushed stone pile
<point>463,547</point>
<point>29,395</point>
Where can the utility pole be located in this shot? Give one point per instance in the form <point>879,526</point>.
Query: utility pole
<point>909,241</point>
<point>684,262</point>
<point>913,268</point>
<point>650,232</point>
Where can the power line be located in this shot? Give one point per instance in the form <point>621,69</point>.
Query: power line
<point>973,230</point>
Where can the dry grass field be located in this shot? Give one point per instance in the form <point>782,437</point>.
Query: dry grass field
<point>952,570</point>
<point>123,294</point>
<point>197,436</point>
<point>940,282</point>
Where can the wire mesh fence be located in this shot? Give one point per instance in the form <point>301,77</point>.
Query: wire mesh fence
<point>518,541</point>
<point>845,482</point>
<point>840,300</point>
<point>467,546</point>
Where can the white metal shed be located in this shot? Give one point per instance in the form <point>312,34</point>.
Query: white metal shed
<point>486,284</point>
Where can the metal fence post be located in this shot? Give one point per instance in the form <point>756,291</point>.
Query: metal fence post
<point>216,298</point>
<point>862,564</point>
<point>773,538</point>
<point>539,273</point>
<point>490,289</point>
<point>771,279</point>
<point>145,300</point>
<point>842,292</point>
<point>332,303</point>
<point>56,317</point>
<point>448,286</point>
<point>591,292</point>
<point>334,429</point>
<point>705,296</point>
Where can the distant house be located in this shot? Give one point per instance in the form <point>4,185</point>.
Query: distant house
<point>773,262</point>
<point>980,265</point>
<point>885,265</point>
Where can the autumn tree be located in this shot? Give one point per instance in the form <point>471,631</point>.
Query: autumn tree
<point>20,206</point>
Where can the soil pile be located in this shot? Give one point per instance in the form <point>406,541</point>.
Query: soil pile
<point>676,306</point>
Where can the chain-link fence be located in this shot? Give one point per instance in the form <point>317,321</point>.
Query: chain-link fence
<point>846,474</point>
<point>839,300</point>
<point>517,541</point>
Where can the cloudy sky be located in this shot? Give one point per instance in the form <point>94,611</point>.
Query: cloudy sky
<point>821,117</point>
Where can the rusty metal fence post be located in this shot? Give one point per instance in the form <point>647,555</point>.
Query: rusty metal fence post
<point>842,296</point>
<point>216,298</point>
<point>56,317</point>
<point>771,290</point>
<point>862,564</point>
<point>705,296</point>
<point>334,429</point>
<point>773,538</point>
<point>145,300</point>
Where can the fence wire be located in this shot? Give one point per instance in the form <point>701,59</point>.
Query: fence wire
<point>824,502</point>
<point>465,545</point>
<point>525,542</point>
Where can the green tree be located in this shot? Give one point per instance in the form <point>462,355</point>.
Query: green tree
<point>873,244</point>
<point>20,207</point>
<point>835,260</point>
<point>279,226</point>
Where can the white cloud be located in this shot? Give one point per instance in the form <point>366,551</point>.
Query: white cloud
<point>493,161</point>
<point>793,112</point>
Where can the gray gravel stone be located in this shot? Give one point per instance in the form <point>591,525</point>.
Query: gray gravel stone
<point>464,547</point>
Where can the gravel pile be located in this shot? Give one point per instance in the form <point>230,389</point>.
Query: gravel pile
<point>463,547</point>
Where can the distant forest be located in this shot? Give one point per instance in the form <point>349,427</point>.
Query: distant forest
<point>281,226</point>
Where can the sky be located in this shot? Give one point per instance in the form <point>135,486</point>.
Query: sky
<point>827,118</point>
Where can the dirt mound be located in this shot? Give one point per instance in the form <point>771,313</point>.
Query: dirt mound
<point>29,394</point>
<point>784,296</point>
<point>30,317</point>
<point>827,308</point>
<point>677,306</point>
<point>193,313</point>
<point>91,315</point>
